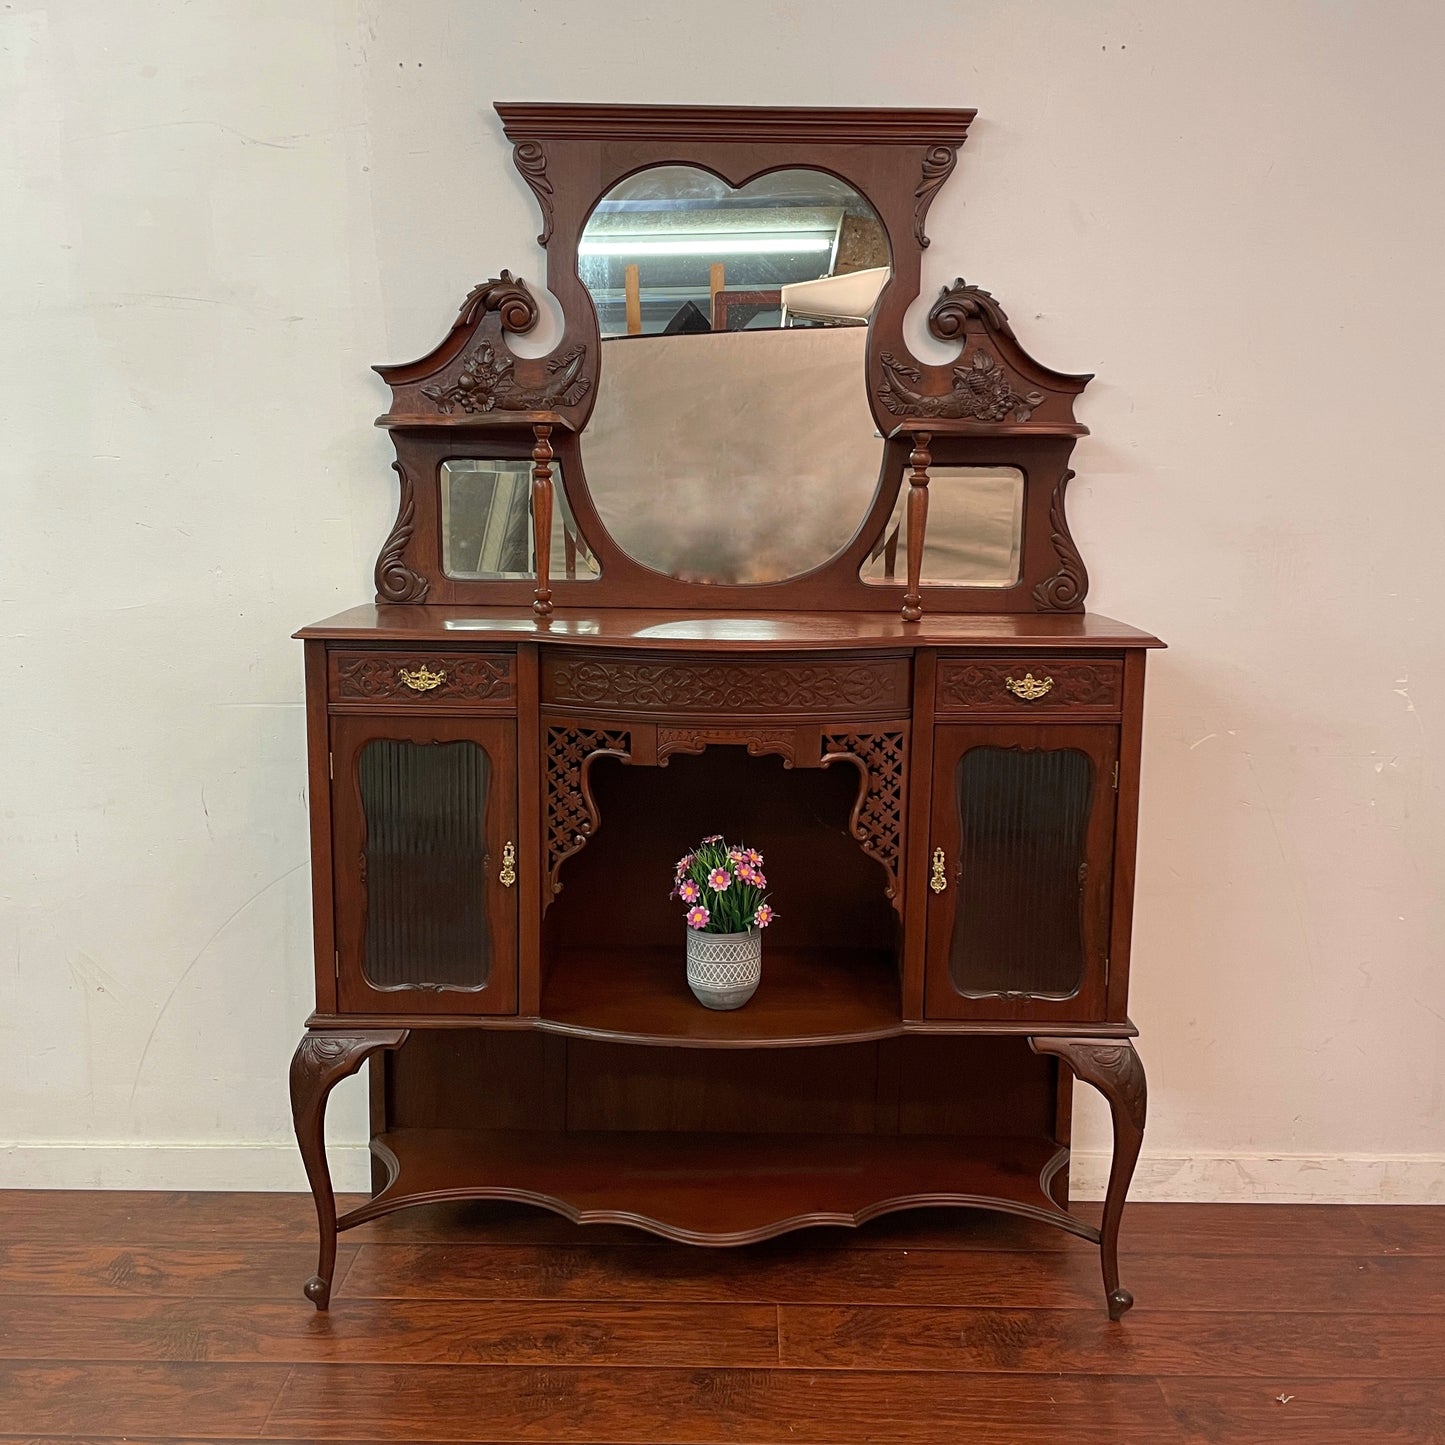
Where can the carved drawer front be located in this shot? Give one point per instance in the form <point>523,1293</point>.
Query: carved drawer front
<point>680,684</point>
<point>483,680</point>
<point>1029,685</point>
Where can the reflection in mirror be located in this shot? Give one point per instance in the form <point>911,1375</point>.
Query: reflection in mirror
<point>974,535</point>
<point>732,441</point>
<point>674,249</point>
<point>487,524</point>
<point>733,459</point>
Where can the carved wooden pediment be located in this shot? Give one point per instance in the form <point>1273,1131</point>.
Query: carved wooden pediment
<point>994,383</point>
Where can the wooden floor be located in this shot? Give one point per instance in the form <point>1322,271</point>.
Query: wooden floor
<point>150,1317</point>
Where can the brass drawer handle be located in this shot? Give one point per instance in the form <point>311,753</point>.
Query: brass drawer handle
<point>508,875</point>
<point>938,882</point>
<point>1028,687</point>
<point>423,679</point>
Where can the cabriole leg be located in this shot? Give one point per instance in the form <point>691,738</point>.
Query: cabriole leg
<point>1113,1068</point>
<point>322,1059</point>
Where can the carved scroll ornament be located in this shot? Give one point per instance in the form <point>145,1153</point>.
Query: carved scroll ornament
<point>1066,589</point>
<point>395,580</point>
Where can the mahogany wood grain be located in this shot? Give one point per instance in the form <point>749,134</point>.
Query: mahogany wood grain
<point>714,1405</point>
<point>138,1401</point>
<point>1285,1323</point>
<point>641,995</point>
<point>318,771</point>
<point>920,822</point>
<point>1126,832</point>
<point>155,1218</point>
<point>1270,1345</point>
<point>530,857</point>
<point>667,1181</point>
<point>822,1267</point>
<point>1222,1411</point>
<point>732,631</point>
<point>426,1332</point>
<point>160,1271</point>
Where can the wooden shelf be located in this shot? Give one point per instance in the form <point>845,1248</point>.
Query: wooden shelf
<point>719,1189</point>
<point>641,996</point>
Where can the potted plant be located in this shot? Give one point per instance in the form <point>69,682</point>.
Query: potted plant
<point>724,890</point>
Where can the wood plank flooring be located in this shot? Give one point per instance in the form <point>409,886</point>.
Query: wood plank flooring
<point>179,1317</point>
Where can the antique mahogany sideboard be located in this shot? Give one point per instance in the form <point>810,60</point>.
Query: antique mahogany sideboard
<point>728,558</point>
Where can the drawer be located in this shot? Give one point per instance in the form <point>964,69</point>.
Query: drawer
<point>483,680</point>
<point>692,686</point>
<point>1091,687</point>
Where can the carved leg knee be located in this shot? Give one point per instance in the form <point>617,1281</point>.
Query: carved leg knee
<point>1113,1068</point>
<point>321,1061</point>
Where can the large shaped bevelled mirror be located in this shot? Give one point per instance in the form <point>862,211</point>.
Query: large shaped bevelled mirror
<point>735,327</point>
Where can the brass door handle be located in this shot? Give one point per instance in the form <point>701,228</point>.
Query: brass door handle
<point>1028,687</point>
<point>508,875</point>
<point>423,679</point>
<point>938,882</point>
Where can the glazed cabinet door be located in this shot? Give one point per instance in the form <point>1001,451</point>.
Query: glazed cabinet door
<point>424,822</point>
<point>1020,868</point>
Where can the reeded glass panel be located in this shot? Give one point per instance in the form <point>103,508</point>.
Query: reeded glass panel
<point>425,864</point>
<point>732,440</point>
<point>1023,825</point>
<point>487,524</point>
<point>975,530</point>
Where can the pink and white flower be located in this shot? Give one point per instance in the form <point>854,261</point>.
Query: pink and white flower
<point>698,917</point>
<point>688,891</point>
<point>754,857</point>
<point>713,838</point>
<point>763,916</point>
<point>719,880</point>
<point>684,863</point>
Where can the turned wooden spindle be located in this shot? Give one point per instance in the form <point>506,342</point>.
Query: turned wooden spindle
<point>542,517</point>
<point>919,459</point>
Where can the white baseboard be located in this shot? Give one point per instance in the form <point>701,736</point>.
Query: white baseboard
<point>1182,1178</point>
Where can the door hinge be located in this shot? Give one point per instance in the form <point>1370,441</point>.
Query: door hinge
<point>1116,775</point>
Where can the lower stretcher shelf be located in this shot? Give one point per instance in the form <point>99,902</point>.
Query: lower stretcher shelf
<point>719,1189</point>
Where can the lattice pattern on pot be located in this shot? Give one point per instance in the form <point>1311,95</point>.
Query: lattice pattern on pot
<point>715,973</point>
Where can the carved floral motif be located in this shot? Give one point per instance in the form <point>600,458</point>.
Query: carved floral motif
<point>982,391</point>
<point>487,382</point>
<point>690,687</point>
<point>377,676</point>
<point>976,686</point>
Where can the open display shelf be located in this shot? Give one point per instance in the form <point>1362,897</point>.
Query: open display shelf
<point>807,995</point>
<point>667,1182</point>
